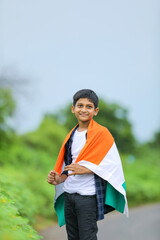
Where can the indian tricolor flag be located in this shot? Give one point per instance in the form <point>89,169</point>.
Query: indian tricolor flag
<point>101,156</point>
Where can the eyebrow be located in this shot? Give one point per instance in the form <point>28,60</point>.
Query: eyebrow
<point>89,104</point>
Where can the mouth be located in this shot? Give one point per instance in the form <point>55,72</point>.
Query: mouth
<point>83,115</point>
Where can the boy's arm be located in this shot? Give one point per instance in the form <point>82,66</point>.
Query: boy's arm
<point>77,169</point>
<point>54,178</point>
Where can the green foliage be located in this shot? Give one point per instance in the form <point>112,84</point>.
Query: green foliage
<point>18,155</point>
<point>7,104</point>
<point>29,159</point>
<point>156,139</point>
<point>7,107</point>
<point>155,142</point>
<point>48,137</point>
<point>142,177</point>
<point>31,168</point>
<point>13,215</point>
<point>18,193</point>
<point>114,117</point>
<point>23,179</point>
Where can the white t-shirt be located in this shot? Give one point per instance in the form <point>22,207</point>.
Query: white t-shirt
<point>82,184</point>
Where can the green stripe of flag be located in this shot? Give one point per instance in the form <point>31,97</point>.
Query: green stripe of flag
<point>115,198</point>
<point>59,208</point>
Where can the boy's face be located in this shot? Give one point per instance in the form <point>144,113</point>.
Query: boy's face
<point>84,110</point>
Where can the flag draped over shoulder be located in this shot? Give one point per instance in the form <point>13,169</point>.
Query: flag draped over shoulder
<point>101,156</point>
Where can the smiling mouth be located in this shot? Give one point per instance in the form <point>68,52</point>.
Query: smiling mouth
<point>83,115</point>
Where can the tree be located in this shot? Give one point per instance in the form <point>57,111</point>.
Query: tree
<point>7,107</point>
<point>155,142</point>
<point>12,87</point>
<point>48,137</point>
<point>115,118</point>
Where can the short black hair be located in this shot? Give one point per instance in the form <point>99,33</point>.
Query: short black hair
<point>86,93</point>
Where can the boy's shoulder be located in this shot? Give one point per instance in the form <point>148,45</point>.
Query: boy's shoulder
<point>99,126</point>
<point>99,129</point>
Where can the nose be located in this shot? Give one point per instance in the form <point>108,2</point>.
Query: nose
<point>83,109</point>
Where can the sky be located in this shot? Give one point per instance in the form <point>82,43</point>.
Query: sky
<point>60,46</point>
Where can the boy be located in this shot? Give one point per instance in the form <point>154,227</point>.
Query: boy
<point>88,175</point>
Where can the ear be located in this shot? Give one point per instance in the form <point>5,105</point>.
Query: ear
<point>96,110</point>
<point>72,109</point>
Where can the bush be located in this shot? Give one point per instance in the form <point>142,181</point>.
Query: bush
<point>142,177</point>
<point>14,214</point>
<point>48,137</point>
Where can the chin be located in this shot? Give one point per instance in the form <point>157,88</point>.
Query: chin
<point>84,120</point>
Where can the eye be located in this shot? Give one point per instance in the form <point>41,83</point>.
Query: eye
<point>89,106</point>
<point>79,105</point>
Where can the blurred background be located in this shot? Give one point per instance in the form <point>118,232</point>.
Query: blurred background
<point>48,51</point>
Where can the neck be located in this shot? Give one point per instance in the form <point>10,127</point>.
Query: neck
<point>83,126</point>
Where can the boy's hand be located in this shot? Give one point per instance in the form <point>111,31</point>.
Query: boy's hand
<point>77,169</point>
<point>53,178</point>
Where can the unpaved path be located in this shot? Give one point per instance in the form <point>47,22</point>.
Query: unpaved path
<point>143,224</point>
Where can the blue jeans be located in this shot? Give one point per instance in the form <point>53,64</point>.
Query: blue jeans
<point>81,216</point>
